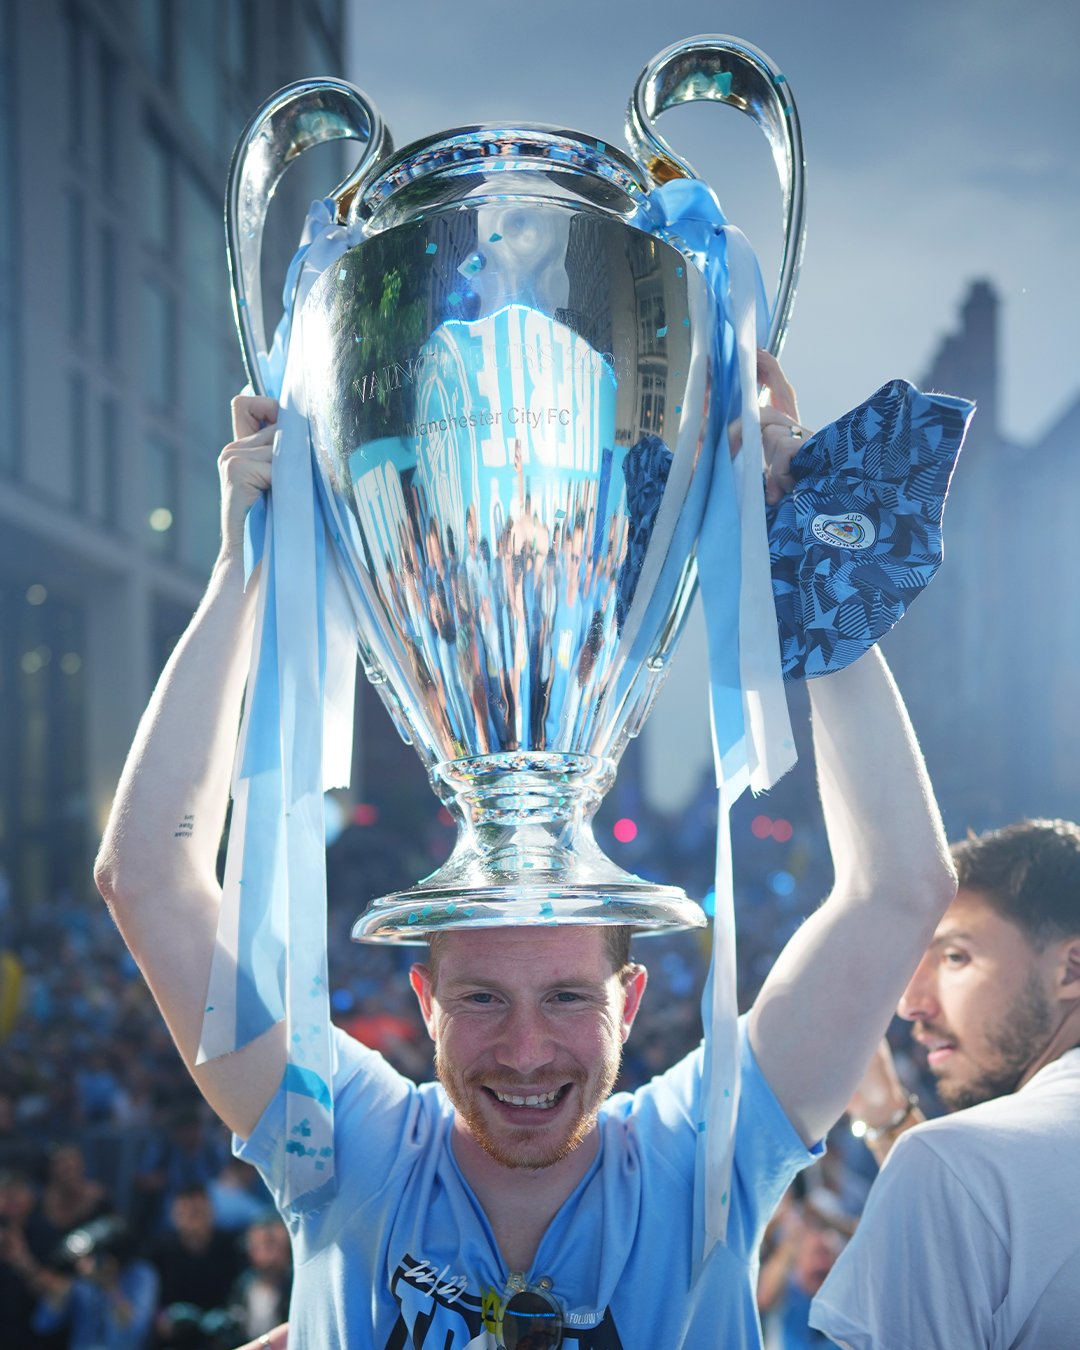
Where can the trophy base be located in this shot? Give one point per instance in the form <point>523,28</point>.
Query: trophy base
<point>525,857</point>
<point>413,915</point>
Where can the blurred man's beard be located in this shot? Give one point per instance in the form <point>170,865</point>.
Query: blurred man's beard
<point>532,1149</point>
<point>1017,1040</point>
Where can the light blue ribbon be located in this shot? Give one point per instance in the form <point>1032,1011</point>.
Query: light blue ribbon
<point>752,740</point>
<point>270,959</point>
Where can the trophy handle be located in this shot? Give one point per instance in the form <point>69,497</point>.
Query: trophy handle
<point>307,113</point>
<point>727,70</point>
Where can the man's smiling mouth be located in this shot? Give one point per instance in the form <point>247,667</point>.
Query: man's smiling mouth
<point>539,1101</point>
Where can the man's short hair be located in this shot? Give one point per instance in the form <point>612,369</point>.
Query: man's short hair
<point>192,1190</point>
<point>616,942</point>
<point>1029,873</point>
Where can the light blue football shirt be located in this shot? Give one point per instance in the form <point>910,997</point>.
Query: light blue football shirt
<point>404,1255</point>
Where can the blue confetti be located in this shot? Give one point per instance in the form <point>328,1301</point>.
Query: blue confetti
<point>454,298</point>
<point>678,407</point>
<point>678,271</point>
<point>494,238</point>
<point>722,79</point>
<point>662,332</point>
<point>432,248</point>
<point>342,274</point>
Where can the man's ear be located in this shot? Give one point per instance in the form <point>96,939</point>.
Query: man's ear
<point>634,982</point>
<point>1069,969</point>
<point>420,979</point>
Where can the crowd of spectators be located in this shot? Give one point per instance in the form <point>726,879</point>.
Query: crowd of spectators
<point>124,1219</point>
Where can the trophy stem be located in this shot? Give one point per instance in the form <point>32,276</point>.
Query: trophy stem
<point>525,855</point>
<point>526,812</point>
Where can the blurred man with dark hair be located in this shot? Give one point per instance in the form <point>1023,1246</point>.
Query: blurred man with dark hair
<point>260,1297</point>
<point>25,1248</point>
<point>980,1208</point>
<point>196,1261</point>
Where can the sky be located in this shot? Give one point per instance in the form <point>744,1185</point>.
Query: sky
<point>940,147</point>
<point>940,142</point>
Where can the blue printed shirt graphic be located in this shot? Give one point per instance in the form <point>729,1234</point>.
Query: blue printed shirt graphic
<point>404,1255</point>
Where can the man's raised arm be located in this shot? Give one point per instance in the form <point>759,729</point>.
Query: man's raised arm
<point>157,864</point>
<point>829,998</point>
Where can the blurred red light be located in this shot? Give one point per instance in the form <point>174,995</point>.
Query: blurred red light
<point>444,817</point>
<point>761,827</point>
<point>624,830</point>
<point>782,831</point>
<point>364,814</point>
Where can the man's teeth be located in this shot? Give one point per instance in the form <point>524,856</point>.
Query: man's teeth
<point>544,1101</point>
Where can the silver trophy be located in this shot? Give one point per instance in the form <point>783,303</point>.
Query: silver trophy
<point>510,383</point>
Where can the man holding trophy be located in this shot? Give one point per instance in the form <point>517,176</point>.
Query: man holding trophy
<point>497,433</point>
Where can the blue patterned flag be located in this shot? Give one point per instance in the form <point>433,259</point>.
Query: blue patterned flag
<point>860,536</point>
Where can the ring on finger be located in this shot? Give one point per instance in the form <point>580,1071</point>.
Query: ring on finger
<point>796,432</point>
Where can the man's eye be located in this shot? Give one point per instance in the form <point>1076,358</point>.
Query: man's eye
<point>567,996</point>
<point>955,958</point>
<point>482,997</point>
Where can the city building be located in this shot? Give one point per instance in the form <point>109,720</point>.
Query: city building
<point>118,359</point>
<point>989,657</point>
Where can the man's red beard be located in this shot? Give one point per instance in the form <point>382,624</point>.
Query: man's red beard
<point>530,1148</point>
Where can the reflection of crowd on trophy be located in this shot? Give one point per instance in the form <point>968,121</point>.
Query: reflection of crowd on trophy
<point>510,614</point>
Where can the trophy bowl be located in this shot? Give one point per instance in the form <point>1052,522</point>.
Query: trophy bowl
<point>515,401</point>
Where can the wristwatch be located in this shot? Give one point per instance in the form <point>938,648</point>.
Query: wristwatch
<point>872,1133</point>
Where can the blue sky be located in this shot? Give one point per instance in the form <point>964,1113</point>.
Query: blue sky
<point>940,147</point>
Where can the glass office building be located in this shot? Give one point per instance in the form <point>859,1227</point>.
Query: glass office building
<point>117,362</point>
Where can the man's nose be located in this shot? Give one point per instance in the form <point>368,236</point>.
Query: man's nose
<point>918,1002</point>
<point>525,1043</point>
